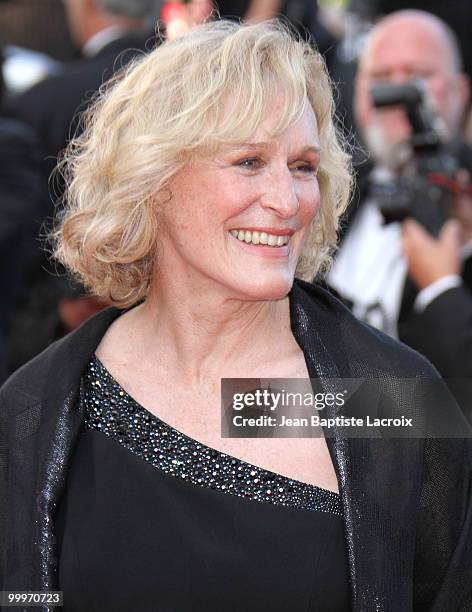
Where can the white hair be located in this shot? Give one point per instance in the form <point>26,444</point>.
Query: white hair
<point>210,87</point>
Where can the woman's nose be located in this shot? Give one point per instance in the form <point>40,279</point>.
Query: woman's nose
<point>281,196</point>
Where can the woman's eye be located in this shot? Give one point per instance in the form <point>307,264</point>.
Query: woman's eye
<point>305,168</point>
<point>251,163</point>
<point>254,163</point>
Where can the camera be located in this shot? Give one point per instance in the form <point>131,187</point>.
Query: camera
<point>423,188</point>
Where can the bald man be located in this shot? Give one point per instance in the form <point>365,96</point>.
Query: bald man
<point>374,260</point>
<point>403,46</point>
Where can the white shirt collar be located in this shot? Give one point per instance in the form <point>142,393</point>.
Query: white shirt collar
<point>370,270</point>
<point>101,39</point>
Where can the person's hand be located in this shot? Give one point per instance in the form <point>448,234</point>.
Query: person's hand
<point>428,258</point>
<point>200,11</point>
<point>461,205</point>
<point>175,16</point>
<point>180,18</point>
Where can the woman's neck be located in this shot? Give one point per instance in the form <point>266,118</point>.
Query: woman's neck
<point>206,335</point>
<point>210,334</point>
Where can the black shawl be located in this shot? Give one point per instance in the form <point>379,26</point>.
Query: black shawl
<point>407,502</point>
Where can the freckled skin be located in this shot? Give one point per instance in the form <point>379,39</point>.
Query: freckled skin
<point>271,186</point>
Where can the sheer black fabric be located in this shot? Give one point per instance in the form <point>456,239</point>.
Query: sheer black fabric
<point>152,519</point>
<point>133,538</point>
<point>406,503</point>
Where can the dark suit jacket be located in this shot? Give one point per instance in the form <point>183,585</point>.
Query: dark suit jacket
<point>20,216</point>
<point>51,107</point>
<point>407,502</point>
<point>443,332</point>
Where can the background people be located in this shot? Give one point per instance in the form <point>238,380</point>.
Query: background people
<point>207,185</point>
<point>399,278</point>
<point>109,33</point>
<point>20,214</point>
<point>104,29</point>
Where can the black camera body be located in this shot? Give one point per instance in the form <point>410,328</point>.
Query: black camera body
<point>421,190</point>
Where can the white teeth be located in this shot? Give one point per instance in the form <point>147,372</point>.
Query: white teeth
<point>259,237</point>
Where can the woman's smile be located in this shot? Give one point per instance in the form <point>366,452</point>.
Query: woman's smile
<point>263,243</point>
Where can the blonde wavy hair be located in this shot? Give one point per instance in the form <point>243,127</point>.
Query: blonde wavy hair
<point>212,86</point>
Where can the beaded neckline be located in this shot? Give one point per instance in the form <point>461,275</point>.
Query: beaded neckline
<point>109,409</point>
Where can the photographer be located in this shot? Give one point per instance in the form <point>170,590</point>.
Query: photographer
<point>409,278</point>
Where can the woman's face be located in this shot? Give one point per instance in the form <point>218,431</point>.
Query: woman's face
<point>237,219</point>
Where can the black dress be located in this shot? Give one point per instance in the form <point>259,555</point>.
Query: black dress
<point>152,520</point>
<point>407,503</point>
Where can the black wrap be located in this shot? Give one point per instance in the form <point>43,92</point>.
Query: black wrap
<point>407,503</point>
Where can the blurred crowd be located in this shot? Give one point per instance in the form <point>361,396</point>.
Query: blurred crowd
<point>402,71</point>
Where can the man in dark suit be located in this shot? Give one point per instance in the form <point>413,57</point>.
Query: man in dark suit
<point>397,277</point>
<point>20,207</point>
<point>109,33</point>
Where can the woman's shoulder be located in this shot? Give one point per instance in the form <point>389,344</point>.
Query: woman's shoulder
<point>401,382</point>
<point>59,367</point>
<point>319,316</point>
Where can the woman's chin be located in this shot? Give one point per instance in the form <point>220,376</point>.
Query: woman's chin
<point>266,288</point>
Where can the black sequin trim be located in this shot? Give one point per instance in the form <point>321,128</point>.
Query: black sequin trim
<point>109,409</point>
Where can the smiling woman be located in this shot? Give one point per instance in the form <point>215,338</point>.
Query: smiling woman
<point>209,177</point>
<point>203,96</point>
